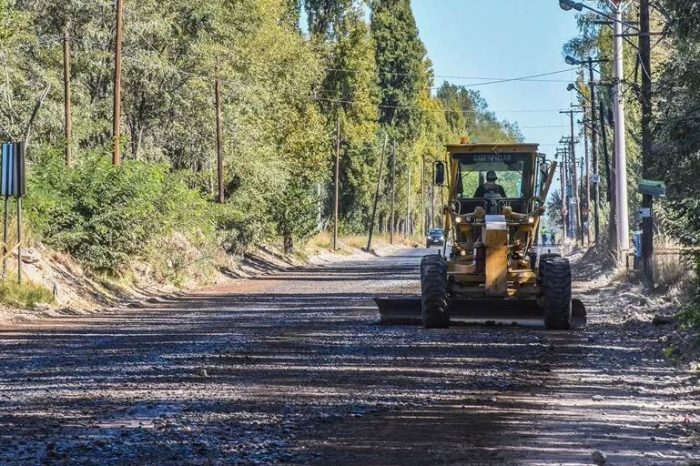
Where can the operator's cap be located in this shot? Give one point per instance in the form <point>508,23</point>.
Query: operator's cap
<point>491,175</point>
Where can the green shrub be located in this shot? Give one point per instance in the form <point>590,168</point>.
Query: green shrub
<point>105,215</point>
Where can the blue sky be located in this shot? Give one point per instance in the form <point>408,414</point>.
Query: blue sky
<point>503,39</point>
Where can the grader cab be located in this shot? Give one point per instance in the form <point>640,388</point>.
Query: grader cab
<point>491,268</point>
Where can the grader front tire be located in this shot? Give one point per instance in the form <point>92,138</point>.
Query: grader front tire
<point>556,283</point>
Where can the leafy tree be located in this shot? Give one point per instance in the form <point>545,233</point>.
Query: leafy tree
<point>399,55</point>
<point>326,16</point>
<point>677,150</point>
<point>467,113</point>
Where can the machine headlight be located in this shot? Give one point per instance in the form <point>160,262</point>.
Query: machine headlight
<point>458,219</point>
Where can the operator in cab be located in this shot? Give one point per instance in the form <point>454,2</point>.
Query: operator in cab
<point>490,187</point>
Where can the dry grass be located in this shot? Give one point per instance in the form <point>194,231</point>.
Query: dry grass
<point>25,296</point>
<point>672,268</point>
<point>349,243</point>
<point>322,240</point>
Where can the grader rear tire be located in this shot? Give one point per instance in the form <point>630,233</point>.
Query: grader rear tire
<point>434,307</point>
<point>556,283</point>
<point>543,262</point>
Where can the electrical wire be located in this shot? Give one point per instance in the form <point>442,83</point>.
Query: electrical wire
<point>488,80</point>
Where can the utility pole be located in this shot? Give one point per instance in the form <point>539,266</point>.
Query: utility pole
<point>432,206</point>
<point>219,141</point>
<point>594,152</point>
<point>647,145</point>
<point>565,196</point>
<point>336,200</point>
<point>574,181</point>
<point>587,185</point>
<point>117,151</point>
<point>610,179</point>
<point>623,243</point>
<point>423,222</point>
<point>376,195</point>
<point>393,193</point>
<point>407,230</point>
<point>67,114</point>
<point>562,180</point>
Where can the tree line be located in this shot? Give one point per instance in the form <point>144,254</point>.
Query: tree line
<point>675,122</point>
<point>299,80</point>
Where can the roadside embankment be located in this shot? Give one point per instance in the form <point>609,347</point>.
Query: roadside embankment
<point>55,284</point>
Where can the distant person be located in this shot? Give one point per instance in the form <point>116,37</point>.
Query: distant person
<point>544,237</point>
<point>490,187</point>
<point>553,239</point>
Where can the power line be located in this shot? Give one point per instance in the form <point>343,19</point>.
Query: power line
<point>412,107</point>
<point>326,99</point>
<point>489,79</point>
<point>239,84</point>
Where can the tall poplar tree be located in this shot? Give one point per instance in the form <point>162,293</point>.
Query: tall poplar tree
<point>399,56</point>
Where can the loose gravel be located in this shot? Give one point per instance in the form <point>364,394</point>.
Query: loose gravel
<point>292,368</point>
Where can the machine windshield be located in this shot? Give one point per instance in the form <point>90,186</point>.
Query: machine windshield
<point>492,175</point>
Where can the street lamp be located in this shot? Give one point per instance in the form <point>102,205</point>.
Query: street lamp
<point>567,5</point>
<point>574,61</point>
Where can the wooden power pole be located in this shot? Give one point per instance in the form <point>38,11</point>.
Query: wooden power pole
<point>423,216</point>
<point>117,151</point>
<point>574,178</point>
<point>587,184</point>
<point>219,142</point>
<point>407,229</point>
<point>68,123</point>
<point>336,199</point>
<point>564,197</point>
<point>594,152</point>
<point>393,193</point>
<point>647,144</point>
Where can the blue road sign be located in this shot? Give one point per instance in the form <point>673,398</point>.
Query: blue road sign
<point>13,170</point>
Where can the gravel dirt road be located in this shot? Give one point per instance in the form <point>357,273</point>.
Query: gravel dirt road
<point>293,368</point>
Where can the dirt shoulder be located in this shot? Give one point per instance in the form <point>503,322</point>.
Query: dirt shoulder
<point>77,292</point>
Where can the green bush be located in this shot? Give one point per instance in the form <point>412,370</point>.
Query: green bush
<point>690,316</point>
<point>105,215</point>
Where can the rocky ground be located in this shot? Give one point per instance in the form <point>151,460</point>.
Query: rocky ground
<point>292,367</point>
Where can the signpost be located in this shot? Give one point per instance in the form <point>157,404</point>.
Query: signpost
<point>13,184</point>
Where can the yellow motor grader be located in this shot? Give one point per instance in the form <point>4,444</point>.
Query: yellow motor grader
<point>491,269</point>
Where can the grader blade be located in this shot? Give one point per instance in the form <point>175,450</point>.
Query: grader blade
<point>399,310</point>
<point>406,310</point>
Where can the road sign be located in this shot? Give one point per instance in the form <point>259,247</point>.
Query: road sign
<point>13,184</point>
<point>652,188</point>
<point>13,170</point>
